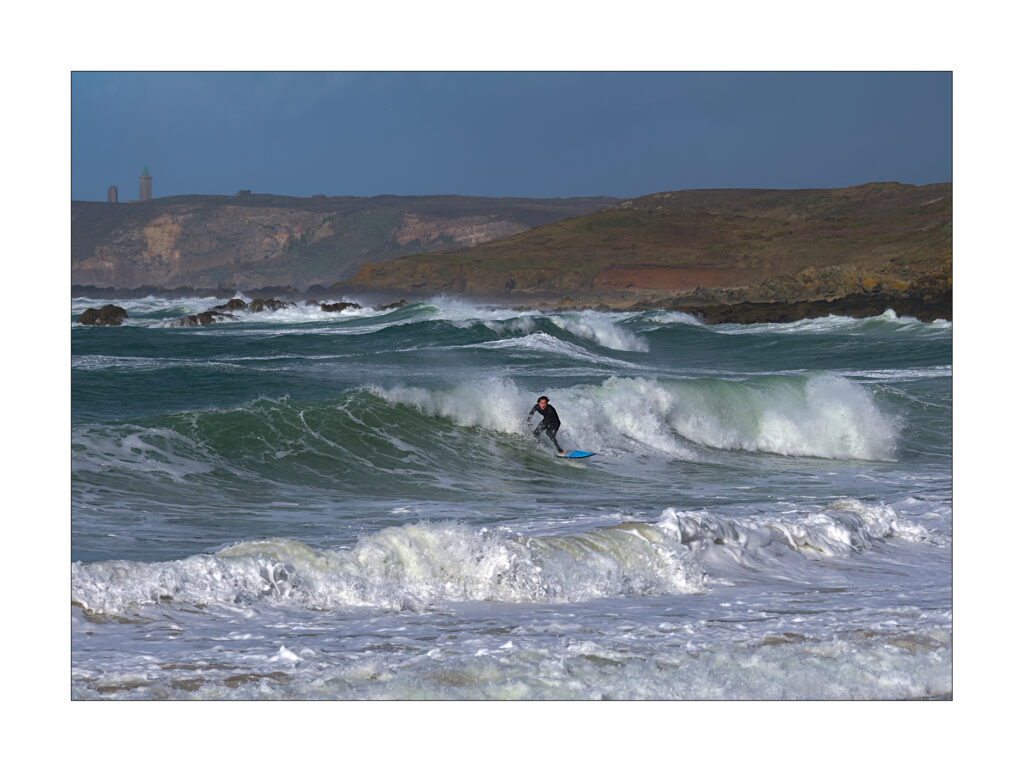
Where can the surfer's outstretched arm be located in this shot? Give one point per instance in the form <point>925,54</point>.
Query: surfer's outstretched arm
<point>529,416</point>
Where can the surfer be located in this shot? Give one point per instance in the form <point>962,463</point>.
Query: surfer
<point>549,425</point>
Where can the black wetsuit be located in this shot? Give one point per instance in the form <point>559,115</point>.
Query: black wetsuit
<point>549,425</point>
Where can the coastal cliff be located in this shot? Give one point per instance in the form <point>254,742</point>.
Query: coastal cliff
<point>725,255</point>
<point>715,253</point>
<point>249,241</point>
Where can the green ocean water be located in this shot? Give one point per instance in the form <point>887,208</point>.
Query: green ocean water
<point>301,504</point>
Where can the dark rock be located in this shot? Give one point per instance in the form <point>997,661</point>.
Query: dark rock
<point>338,306</point>
<point>184,321</point>
<point>235,304</point>
<point>223,311</point>
<point>258,305</point>
<point>107,316</point>
<point>391,306</point>
<point>202,318</point>
<point>926,302</point>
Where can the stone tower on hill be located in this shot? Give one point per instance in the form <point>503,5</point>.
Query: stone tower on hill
<point>145,185</point>
<point>112,194</point>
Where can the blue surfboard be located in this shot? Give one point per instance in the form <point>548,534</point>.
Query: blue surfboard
<point>576,454</point>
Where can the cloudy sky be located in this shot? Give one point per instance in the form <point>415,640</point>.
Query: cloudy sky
<point>504,133</point>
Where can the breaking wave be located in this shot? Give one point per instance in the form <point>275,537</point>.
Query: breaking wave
<point>420,565</point>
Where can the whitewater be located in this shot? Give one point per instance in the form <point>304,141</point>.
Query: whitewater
<point>302,504</point>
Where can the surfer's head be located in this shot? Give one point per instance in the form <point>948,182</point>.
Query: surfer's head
<point>542,401</point>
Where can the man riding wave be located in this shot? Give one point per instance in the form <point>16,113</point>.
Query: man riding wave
<point>550,423</point>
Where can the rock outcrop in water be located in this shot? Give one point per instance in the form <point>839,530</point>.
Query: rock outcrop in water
<point>200,319</point>
<point>235,304</point>
<point>107,316</point>
<point>342,306</point>
<point>225,311</point>
<point>258,305</point>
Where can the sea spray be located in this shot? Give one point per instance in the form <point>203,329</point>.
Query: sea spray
<point>495,404</point>
<point>815,415</point>
<point>597,327</point>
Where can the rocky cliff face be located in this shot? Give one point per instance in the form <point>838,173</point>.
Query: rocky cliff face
<point>462,231</point>
<point>188,245</point>
<point>255,241</point>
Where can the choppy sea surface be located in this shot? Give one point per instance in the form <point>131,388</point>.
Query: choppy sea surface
<point>310,505</point>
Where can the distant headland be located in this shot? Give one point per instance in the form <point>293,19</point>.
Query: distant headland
<point>726,255</point>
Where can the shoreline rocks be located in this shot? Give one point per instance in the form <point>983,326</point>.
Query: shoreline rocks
<point>924,309</point>
<point>202,318</point>
<point>112,316</point>
<point>343,306</point>
<point>225,311</point>
<point>927,299</point>
<point>107,316</point>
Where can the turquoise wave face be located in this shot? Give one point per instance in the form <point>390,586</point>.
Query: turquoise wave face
<point>412,437</point>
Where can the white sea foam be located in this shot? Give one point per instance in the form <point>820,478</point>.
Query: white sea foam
<point>519,325</point>
<point>898,375</point>
<point>600,328</point>
<point>549,344</point>
<point>459,311</point>
<point>140,363</point>
<point>843,528</point>
<point>146,451</point>
<point>572,658</point>
<point>821,415</point>
<point>493,403</point>
<point>622,414</point>
<point>673,317</point>
<point>888,322</point>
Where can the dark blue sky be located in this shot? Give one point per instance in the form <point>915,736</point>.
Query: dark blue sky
<point>505,134</point>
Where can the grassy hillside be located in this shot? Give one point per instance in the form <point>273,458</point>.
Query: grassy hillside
<point>711,246</point>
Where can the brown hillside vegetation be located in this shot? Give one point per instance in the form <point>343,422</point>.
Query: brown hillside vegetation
<point>705,248</point>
